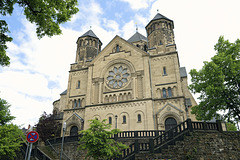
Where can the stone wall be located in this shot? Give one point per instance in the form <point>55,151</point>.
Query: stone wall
<point>201,145</point>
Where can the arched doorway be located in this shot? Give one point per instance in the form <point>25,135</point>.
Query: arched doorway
<point>170,123</point>
<point>74,131</point>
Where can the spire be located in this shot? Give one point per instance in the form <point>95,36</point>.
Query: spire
<point>157,17</point>
<point>89,33</point>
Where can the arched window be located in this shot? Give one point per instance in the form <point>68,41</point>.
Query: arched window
<point>79,103</point>
<point>169,92</point>
<point>164,71</point>
<point>170,123</point>
<point>137,45</point>
<point>160,43</point>
<point>164,93</point>
<point>124,119</point>
<point>110,120</point>
<point>74,131</point>
<point>75,103</point>
<point>139,118</point>
<point>117,48</point>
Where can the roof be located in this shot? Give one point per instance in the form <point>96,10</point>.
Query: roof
<point>89,33</point>
<point>183,72</point>
<point>137,37</point>
<point>64,92</point>
<point>159,16</point>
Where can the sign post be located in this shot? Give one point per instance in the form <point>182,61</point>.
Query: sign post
<point>31,138</point>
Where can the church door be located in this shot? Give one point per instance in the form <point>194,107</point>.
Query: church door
<point>170,123</point>
<point>74,131</point>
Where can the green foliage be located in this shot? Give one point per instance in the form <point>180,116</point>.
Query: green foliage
<point>218,83</point>
<point>231,126</point>
<point>5,116</point>
<point>10,141</point>
<point>46,14</point>
<point>96,140</point>
<point>47,127</point>
<point>4,38</point>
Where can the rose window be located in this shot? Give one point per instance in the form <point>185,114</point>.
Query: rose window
<point>118,76</point>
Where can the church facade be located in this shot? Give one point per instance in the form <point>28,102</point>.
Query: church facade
<point>136,84</point>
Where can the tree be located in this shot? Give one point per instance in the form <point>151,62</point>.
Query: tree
<point>10,134</point>
<point>5,115</point>
<point>47,127</point>
<point>46,14</point>
<point>231,126</point>
<point>218,83</point>
<point>96,140</point>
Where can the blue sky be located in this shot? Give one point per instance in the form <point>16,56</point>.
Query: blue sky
<point>39,68</point>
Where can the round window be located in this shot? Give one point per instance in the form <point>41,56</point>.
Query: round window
<point>117,76</point>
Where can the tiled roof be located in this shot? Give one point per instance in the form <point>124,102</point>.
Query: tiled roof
<point>137,37</point>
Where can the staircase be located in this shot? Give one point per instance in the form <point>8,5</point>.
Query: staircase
<point>156,144</point>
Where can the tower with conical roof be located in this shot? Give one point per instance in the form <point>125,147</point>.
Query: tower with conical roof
<point>160,34</point>
<point>88,46</point>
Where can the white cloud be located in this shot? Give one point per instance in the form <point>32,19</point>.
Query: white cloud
<point>138,4</point>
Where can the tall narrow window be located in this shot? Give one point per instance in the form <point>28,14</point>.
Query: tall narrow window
<point>164,71</point>
<point>78,84</point>
<point>110,120</point>
<point>164,93</point>
<point>117,48</point>
<point>139,118</point>
<point>145,47</point>
<point>79,103</point>
<point>124,119</point>
<point>75,103</point>
<point>169,92</point>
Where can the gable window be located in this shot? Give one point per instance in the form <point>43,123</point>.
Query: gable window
<point>164,71</point>
<point>79,103</point>
<point>117,48</point>
<point>160,43</point>
<point>124,119</point>
<point>164,93</point>
<point>169,92</point>
<point>110,120</point>
<point>78,84</point>
<point>139,118</point>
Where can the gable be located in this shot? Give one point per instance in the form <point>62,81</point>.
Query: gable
<point>119,47</point>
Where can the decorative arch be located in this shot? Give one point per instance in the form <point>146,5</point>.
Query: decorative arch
<point>74,120</point>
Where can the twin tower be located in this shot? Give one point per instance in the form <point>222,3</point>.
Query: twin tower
<point>160,36</point>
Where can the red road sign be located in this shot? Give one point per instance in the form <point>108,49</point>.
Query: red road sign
<point>32,137</point>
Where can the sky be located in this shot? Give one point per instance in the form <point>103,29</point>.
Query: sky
<point>38,72</point>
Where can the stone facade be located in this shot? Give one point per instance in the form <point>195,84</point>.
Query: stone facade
<point>135,84</point>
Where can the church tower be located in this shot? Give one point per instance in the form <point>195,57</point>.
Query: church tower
<point>160,34</point>
<point>88,47</point>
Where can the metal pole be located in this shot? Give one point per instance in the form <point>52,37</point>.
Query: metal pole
<point>64,127</point>
<point>26,154</point>
<point>29,152</point>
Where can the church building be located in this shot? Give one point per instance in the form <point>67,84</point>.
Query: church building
<point>136,84</point>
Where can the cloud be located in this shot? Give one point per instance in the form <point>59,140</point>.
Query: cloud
<point>139,4</point>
